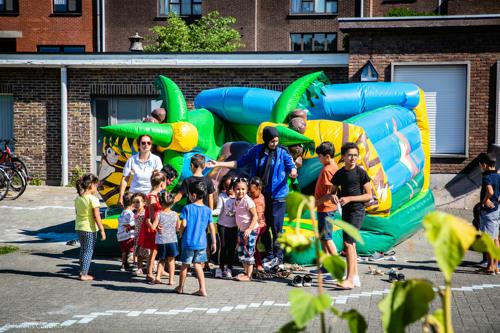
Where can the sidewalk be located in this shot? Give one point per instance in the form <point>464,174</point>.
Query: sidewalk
<point>40,290</point>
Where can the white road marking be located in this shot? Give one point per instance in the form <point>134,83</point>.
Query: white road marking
<point>36,208</point>
<point>87,318</point>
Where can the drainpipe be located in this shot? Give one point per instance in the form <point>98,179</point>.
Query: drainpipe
<point>98,12</point>
<point>64,126</point>
<point>255,39</point>
<point>103,26</point>
<point>361,5</point>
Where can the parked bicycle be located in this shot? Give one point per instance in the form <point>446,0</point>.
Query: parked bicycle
<point>14,174</point>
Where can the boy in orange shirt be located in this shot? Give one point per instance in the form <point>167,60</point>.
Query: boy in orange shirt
<point>325,206</point>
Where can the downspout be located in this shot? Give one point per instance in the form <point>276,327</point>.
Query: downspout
<point>255,38</point>
<point>64,126</point>
<point>103,30</point>
<point>361,5</point>
<point>98,12</point>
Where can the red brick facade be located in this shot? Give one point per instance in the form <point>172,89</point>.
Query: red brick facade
<point>36,94</point>
<point>40,26</point>
<point>481,47</point>
<point>374,8</point>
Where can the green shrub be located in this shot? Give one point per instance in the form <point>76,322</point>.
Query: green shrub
<point>36,181</point>
<point>8,249</point>
<point>395,12</point>
<point>76,173</point>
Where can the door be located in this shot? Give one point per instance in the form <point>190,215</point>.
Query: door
<point>117,110</point>
<point>6,118</point>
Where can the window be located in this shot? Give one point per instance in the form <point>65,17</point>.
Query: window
<point>313,42</point>
<point>61,49</point>
<point>314,6</point>
<point>67,6</point>
<point>179,7</point>
<point>8,7</point>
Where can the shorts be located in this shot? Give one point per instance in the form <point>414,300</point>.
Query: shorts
<point>354,218</point>
<point>193,256</point>
<point>246,247</point>
<point>325,227</point>
<point>488,223</point>
<point>127,245</point>
<point>167,250</point>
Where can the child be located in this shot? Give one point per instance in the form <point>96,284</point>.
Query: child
<point>488,220</point>
<point>87,217</point>
<point>351,188</point>
<point>197,166</point>
<point>195,219</point>
<point>140,254</point>
<point>125,232</point>
<point>260,205</point>
<point>226,228</point>
<point>248,227</point>
<point>325,207</point>
<point>166,237</point>
<point>148,234</point>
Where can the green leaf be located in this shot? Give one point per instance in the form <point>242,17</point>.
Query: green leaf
<point>290,327</point>
<point>305,307</point>
<point>295,203</point>
<point>348,229</point>
<point>335,266</point>
<point>436,321</point>
<point>451,237</point>
<point>407,302</point>
<point>485,243</point>
<point>355,321</point>
<point>294,241</point>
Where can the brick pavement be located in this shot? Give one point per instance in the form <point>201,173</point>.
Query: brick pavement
<point>40,291</point>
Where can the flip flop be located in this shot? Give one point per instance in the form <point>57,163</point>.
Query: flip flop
<point>339,287</point>
<point>199,293</point>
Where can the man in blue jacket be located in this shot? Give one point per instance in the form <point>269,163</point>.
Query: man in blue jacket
<point>272,163</point>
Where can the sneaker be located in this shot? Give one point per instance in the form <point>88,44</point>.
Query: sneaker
<point>377,256</point>
<point>297,281</point>
<point>307,280</point>
<point>123,269</point>
<point>329,278</point>
<point>270,264</point>
<point>267,259</point>
<point>483,263</point>
<point>228,274</point>
<point>218,273</point>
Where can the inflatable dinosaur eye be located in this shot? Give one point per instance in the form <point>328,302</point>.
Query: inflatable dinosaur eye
<point>109,151</point>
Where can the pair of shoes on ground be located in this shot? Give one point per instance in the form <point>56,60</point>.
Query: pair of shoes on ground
<point>302,281</point>
<point>270,263</point>
<point>226,274</point>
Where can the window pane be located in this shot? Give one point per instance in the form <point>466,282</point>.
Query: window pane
<point>331,44</point>
<point>307,6</point>
<point>331,6</point>
<point>74,49</point>
<point>319,43</point>
<point>186,7</point>
<point>307,38</point>
<point>174,8</point>
<point>296,42</point>
<point>295,6</point>
<point>319,6</point>
<point>196,9</point>
<point>49,49</point>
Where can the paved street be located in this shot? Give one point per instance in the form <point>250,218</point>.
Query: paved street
<point>40,291</point>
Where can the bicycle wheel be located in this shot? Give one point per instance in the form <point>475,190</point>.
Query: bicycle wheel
<point>21,167</point>
<point>17,183</point>
<point>4,184</point>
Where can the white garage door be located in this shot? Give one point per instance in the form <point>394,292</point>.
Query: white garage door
<point>445,88</point>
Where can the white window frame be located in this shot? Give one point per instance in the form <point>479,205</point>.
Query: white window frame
<point>467,98</point>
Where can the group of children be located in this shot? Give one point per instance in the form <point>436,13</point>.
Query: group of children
<point>149,229</point>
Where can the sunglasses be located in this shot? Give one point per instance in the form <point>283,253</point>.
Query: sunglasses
<point>239,179</point>
<point>146,143</point>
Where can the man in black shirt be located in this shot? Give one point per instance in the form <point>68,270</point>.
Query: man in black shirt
<point>351,189</point>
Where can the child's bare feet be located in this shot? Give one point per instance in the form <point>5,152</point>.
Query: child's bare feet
<point>86,277</point>
<point>200,293</point>
<point>179,290</point>
<point>171,283</point>
<point>243,278</point>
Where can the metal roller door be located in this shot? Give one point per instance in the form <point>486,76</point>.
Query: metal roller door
<point>446,96</point>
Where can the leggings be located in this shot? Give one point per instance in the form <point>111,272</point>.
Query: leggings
<point>228,237</point>
<point>87,244</point>
<point>256,254</point>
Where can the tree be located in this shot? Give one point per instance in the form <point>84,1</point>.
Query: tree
<point>211,33</point>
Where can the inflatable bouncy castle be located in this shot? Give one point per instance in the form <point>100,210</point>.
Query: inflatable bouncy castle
<point>388,121</point>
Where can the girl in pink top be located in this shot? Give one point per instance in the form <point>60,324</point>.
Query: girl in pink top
<point>248,227</point>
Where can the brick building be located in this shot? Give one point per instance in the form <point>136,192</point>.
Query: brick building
<point>46,26</point>
<point>106,89</point>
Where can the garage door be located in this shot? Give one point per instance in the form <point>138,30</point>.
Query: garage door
<point>445,88</point>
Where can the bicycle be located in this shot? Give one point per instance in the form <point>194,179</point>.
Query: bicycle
<point>16,181</point>
<point>7,156</point>
<point>4,184</point>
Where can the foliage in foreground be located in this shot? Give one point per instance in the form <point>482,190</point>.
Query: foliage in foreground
<point>8,249</point>
<point>408,301</point>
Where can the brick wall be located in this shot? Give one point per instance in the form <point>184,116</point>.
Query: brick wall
<point>36,95</point>
<point>40,27</point>
<point>470,7</point>
<point>374,8</point>
<point>479,46</point>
